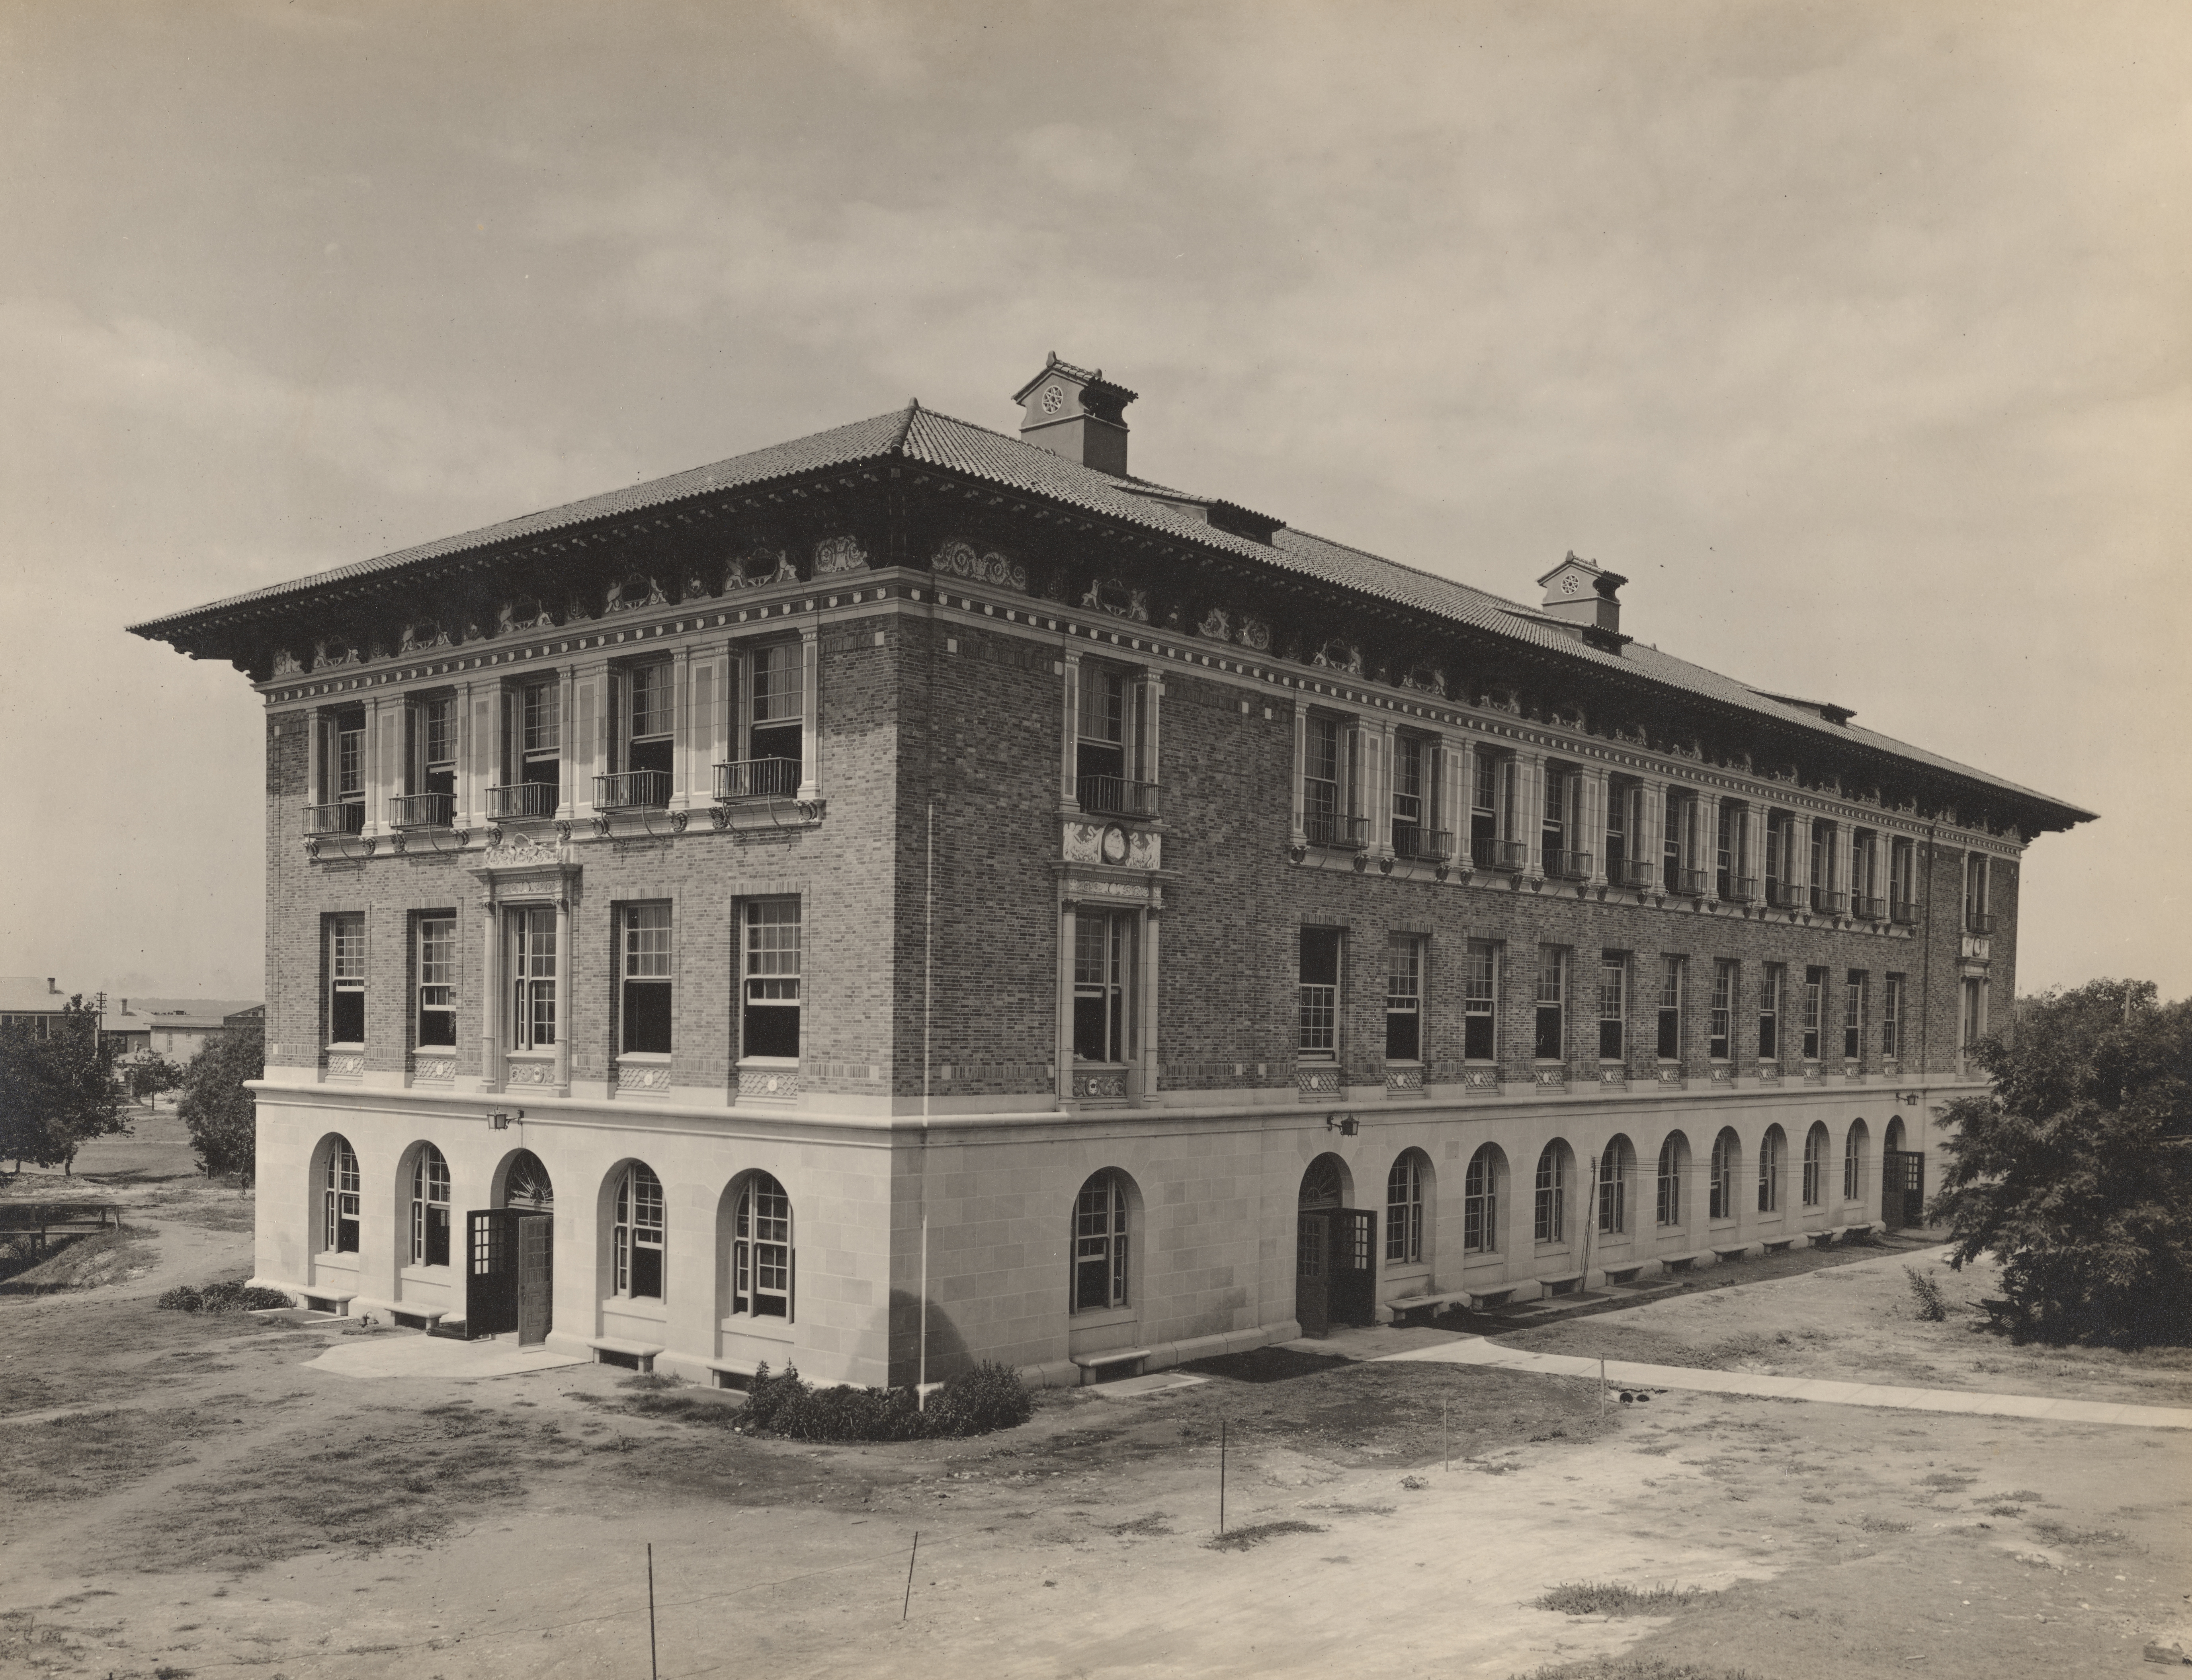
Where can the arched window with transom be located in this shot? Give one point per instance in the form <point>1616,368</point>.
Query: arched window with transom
<point>761,1249</point>
<point>1480,1202</point>
<point>1550,1224</point>
<point>1673,1162</point>
<point>1404,1209</point>
<point>1816,1145</point>
<point>430,1207</point>
<point>1616,1165</point>
<point>1853,1162</point>
<point>340,1198</point>
<point>1100,1268</point>
<point>638,1234</point>
<point>1726,1159</point>
<point>1771,1149</point>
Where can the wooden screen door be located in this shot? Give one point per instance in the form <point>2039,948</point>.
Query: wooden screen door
<point>1902,1188</point>
<point>1313,1271</point>
<point>490,1271</point>
<point>1353,1296</point>
<point>536,1277</point>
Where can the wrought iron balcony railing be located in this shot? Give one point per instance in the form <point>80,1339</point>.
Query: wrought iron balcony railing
<point>1420,844</point>
<point>1630,872</point>
<point>1903,912</point>
<point>1568,866</point>
<point>1330,827</point>
<point>345,817</point>
<point>1827,902</point>
<point>1866,907</point>
<point>1978,923</point>
<point>756,778</point>
<point>522,798</point>
<point>1497,854</point>
<point>632,790</point>
<point>1739,889</point>
<point>1691,883</point>
<point>1116,796</point>
<point>421,811</point>
<point>1783,894</point>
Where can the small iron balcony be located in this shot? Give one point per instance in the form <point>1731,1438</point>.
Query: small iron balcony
<point>1783,894</point>
<point>1497,854</point>
<point>1568,866</point>
<point>1116,796</point>
<point>1867,907</point>
<point>632,790</point>
<point>1903,912</point>
<point>756,778</point>
<point>344,818</point>
<point>1422,846</point>
<point>1827,902</point>
<point>1329,828</point>
<point>1630,872</point>
<point>1739,889</point>
<point>1690,883</point>
<point>522,798</point>
<point>1979,924</point>
<point>421,811</point>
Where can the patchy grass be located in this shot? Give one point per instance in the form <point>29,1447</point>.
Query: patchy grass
<point>86,1454</point>
<point>86,1263</point>
<point>1611,1598</point>
<point>1157,1522</point>
<point>2061,1535</point>
<point>1240,1539</point>
<point>1635,1668</point>
<point>1882,1525</point>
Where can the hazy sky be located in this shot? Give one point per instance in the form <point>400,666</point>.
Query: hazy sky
<point>1855,334</point>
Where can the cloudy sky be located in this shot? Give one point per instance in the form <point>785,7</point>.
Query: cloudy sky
<point>1855,334</point>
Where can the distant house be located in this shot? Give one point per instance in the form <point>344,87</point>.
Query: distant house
<point>27,998</point>
<point>174,1028</point>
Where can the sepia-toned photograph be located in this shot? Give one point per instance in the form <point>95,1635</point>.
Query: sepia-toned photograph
<point>1146,842</point>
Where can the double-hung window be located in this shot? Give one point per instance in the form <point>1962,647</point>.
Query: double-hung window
<point>1324,790</point>
<point>1410,794</point>
<point>1479,1205</point>
<point>338,796</point>
<point>775,714</point>
<point>1671,976</point>
<point>540,733</point>
<point>1769,1012</point>
<point>1674,850</point>
<point>1404,997</point>
<point>769,1008</point>
<point>1902,868</point>
<point>1854,998</point>
<point>1769,1170</point>
<point>1486,807</point>
<point>645,1003</point>
<point>1404,1210</point>
<point>341,1209</point>
<point>1617,797</point>
<point>1100,1245</point>
<point>1815,1007</point>
<point>1319,980</point>
<point>436,1028</point>
<point>429,775</point>
<point>1549,1223</point>
<point>1890,1019</point>
<point>429,1208</point>
<point>1551,1037</point>
<point>1612,1005</point>
<point>345,973</point>
<point>1480,1002</point>
<point>637,1237</point>
<point>1720,1029</point>
<point>1977,919</point>
<point>1552,823</point>
<point>761,1249</point>
<point>1726,845</point>
<point>1668,1208</point>
<point>1103,985</point>
<point>1100,753</point>
<point>643,738</point>
<point>533,979</point>
<point>1974,1012</point>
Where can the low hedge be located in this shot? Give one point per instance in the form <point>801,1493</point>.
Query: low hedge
<point>222,1298</point>
<point>973,1402</point>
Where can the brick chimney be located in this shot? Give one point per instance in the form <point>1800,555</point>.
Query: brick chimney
<point>1582,594</point>
<point>1078,413</point>
<point>52,990</point>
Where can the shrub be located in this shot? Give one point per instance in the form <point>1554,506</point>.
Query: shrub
<point>229,1297</point>
<point>974,1402</point>
<point>1930,1304</point>
<point>990,1397</point>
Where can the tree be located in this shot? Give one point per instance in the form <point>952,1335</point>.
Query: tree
<point>59,1091</point>
<point>220,1115</point>
<point>2076,1170</point>
<point>152,1075</point>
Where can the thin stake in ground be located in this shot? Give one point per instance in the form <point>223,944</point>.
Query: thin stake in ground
<point>908,1605</point>
<point>653,1665</point>
<point>1221,1475</point>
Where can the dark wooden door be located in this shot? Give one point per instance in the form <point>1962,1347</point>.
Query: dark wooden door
<point>1901,1189</point>
<point>1313,1270</point>
<point>490,1271</point>
<point>1354,1293</point>
<point>536,1277</point>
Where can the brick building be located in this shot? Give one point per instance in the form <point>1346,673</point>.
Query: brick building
<point>914,893</point>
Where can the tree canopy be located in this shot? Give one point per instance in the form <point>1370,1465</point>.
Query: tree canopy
<point>58,1091</point>
<point>220,1115</point>
<point>2076,1170</point>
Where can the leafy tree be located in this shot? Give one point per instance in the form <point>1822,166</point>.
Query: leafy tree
<point>152,1075</point>
<point>60,1091</point>
<point>2076,1171</point>
<point>220,1115</point>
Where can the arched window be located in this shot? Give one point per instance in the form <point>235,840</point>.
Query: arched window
<point>637,1242</point>
<point>1672,1159</point>
<point>1404,1210</point>
<point>339,1227</point>
<point>1853,1163</point>
<point>1727,1151</point>
<point>761,1249</point>
<point>1100,1244</point>
<point>429,1208</point>
<point>1480,1203</point>
<point>1617,1164</point>
<point>1770,1148</point>
<point>1552,1200</point>
<point>1815,1164</point>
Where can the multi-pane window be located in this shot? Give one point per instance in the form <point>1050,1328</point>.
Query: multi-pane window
<point>646,996</point>
<point>436,1024</point>
<point>1974,1012</point>
<point>1616,833</point>
<point>637,1236</point>
<point>1480,1193</point>
<point>1612,1005</point>
<point>339,1213</point>
<point>1721,1202</point>
<point>1480,993</point>
<point>1551,1206</point>
<point>1100,1245</point>
<point>1409,784</point>
<point>1769,1170</point>
<point>1552,1002</point>
<point>1320,994</point>
<point>349,757</point>
<point>1106,709</point>
<point>1669,1211</point>
<point>1891,1018</point>
<point>1404,1210</point>
<point>1721,1028</point>
<point>1679,805</point>
<point>1769,1012</point>
<point>1321,800</point>
<point>1552,825</point>
<point>1853,1162</point>
<point>650,717</point>
<point>1902,866</point>
<point>761,1249</point>
<point>775,707</point>
<point>1484,803</point>
<point>345,980</point>
<point>1815,1008</point>
<point>768,1014</point>
<point>1975,893</point>
<point>540,732</point>
<point>434,745</point>
<point>1858,985</point>
<point>1727,847</point>
<point>429,1208</point>
<point>1815,1164</point>
<point>1780,867</point>
<point>1102,972</point>
<point>1404,998</point>
<point>1670,1009</point>
<point>1615,1165</point>
<point>533,979</point>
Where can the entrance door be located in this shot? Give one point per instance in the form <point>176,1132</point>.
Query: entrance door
<point>536,1277</point>
<point>1901,1189</point>
<point>1354,1292</point>
<point>1313,1270</point>
<point>490,1271</point>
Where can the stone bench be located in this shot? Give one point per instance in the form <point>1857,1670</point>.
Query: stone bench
<point>1563,1285</point>
<point>617,1350</point>
<point>1623,1274</point>
<point>1727,1255</point>
<point>428,1316</point>
<point>1095,1367</point>
<point>724,1370</point>
<point>1779,1244</point>
<point>1405,1305</point>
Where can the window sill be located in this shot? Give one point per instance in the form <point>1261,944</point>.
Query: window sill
<point>636,1307</point>
<point>1104,1317</point>
<point>1406,1271</point>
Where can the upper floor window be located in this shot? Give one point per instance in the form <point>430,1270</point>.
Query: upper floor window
<point>1552,1003</point>
<point>1553,846</point>
<point>540,732</point>
<point>1671,976</point>
<point>1891,1018</point>
<point>1976,918</point>
<point>436,1024</point>
<point>346,972</point>
<point>1327,803</point>
<point>1619,796</point>
<point>1721,1027</point>
<point>1769,1012</point>
<point>769,1010</point>
<point>433,759</point>
<point>1727,845</point>
<point>1974,1012</point>
<point>1675,850</point>
<point>1404,997</point>
<point>1102,984</point>
<point>1106,711</point>
<point>1319,980</point>
<point>646,998</point>
<point>1854,1013</point>
<point>1902,870</point>
<point>350,755</point>
<point>1815,1006</point>
<point>1865,872</point>
<point>533,979</point>
<point>1480,997</point>
<point>1613,1005</point>
<point>338,792</point>
<point>1411,793</point>
<point>1781,859</point>
<point>776,709</point>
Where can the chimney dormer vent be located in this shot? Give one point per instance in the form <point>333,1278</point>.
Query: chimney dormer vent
<point>1078,413</point>
<point>1580,593</point>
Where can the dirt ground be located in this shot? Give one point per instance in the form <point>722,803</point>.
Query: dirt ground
<point>193,1496</point>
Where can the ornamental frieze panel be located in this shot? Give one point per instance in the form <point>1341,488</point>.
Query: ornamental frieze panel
<point>957,559</point>
<point>634,591</point>
<point>837,555</point>
<point>1117,598</point>
<point>1114,844</point>
<point>527,612</point>
<point>1339,654</point>
<point>759,567</point>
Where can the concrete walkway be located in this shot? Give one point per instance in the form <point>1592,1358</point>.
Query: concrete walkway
<point>1626,1373</point>
<point>396,1354</point>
